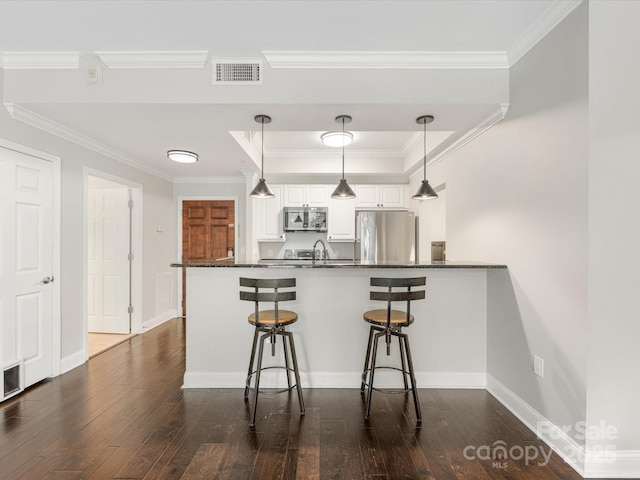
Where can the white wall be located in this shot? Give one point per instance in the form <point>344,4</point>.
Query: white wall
<point>517,195</point>
<point>613,381</point>
<point>158,248</point>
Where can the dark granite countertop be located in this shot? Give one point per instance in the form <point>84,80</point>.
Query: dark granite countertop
<point>337,263</point>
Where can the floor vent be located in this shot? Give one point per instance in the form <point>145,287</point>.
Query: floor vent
<point>237,72</point>
<point>11,380</point>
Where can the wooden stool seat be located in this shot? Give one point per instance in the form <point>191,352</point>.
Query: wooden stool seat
<point>268,317</point>
<point>379,317</point>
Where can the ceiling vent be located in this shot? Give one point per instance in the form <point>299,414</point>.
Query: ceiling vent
<point>237,71</point>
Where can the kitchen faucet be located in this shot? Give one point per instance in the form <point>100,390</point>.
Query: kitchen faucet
<point>324,251</point>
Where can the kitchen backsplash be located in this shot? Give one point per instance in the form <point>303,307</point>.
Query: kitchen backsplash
<point>304,240</point>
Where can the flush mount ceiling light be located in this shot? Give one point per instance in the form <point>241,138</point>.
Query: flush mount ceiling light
<point>343,190</point>
<point>182,156</point>
<point>425,192</point>
<point>262,190</point>
<point>337,139</point>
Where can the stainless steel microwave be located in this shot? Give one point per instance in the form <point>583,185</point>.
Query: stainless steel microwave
<point>305,219</point>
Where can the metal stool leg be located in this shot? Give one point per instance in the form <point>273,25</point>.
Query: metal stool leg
<point>251,361</point>
<point>257,384</point>
<point>412,376</point>
<point>286,358</point>
<point>403,354</point>
<point>296,372</point>
<point>373,370</point>
<point>367,359</point>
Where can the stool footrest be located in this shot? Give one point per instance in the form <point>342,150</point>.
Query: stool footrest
<point>365,381</point>
<point>269,391</point>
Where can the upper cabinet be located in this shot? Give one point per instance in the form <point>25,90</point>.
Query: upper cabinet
<point>380,196</point>
<point>268,216</point>
<point>341,225</point>
<point>306,196</point>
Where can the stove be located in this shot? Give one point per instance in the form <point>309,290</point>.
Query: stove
<point>302,254</point>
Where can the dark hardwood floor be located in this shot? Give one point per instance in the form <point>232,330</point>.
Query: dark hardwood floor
<point>123,415</point>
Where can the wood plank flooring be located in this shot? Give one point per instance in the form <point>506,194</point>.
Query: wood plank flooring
<point>101,342</point>
<point>123,415</point>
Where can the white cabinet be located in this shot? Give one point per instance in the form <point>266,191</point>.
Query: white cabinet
<point>306,196</point>
<point>267,214</point>
<point>380,196</point>
<point>341,224</point>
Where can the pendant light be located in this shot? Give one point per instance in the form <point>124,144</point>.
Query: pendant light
<point>425,192</point>
<point>262,190</point>
<point>343,190</point>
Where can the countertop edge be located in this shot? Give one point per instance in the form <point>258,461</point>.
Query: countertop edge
<point>475,265</point>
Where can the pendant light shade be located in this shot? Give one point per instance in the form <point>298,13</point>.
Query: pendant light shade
<point>343,190</point>
<point>425,192</point>
<point>262,190</point>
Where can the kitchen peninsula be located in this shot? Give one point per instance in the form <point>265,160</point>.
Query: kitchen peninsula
<point>448,338</point>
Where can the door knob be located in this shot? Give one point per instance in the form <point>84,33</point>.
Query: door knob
<point>46,280</point>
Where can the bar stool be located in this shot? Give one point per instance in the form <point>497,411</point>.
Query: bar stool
<point>388,323</point>
<point>268,325</point>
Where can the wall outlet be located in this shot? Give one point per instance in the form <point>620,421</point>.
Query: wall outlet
<point>538,366</point>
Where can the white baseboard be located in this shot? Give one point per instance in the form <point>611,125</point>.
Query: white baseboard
<point>609,464</point>
<point>158,320</point>
<point>336,380</point>
<point>613,464</point>
<point>72,361</point>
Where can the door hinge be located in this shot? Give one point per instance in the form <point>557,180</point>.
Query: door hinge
<point>130,203</point>
<point>130,257</point>
<point>130,310</point>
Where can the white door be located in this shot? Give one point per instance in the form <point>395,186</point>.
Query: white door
<point>108,247</point>
<point>26,264</point>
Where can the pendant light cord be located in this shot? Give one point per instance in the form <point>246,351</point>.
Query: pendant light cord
<point>342,148</point>
<point>262,149</point>
<point>425,152</point>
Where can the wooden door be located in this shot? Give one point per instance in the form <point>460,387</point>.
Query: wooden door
<point>26,265</point>
<point>208,232</point>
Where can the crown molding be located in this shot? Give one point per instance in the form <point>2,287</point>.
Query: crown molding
<point>388,60</point>
<point>35,120</point>
<point>151,59</point>
<point>329,154</point>
<point>453,144</point>
<point>39,60</point>
<point>333,178</point>
<point>547,22</point>
<point>227,180</point>
<point>411,143</point>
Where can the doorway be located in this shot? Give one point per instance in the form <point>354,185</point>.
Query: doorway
<point>110,261</point>
<point>208,234</point>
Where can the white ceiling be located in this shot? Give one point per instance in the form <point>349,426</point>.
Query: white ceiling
<point>389,62</point>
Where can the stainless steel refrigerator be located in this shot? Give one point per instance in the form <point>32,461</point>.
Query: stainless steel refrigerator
<point>386,236</point>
